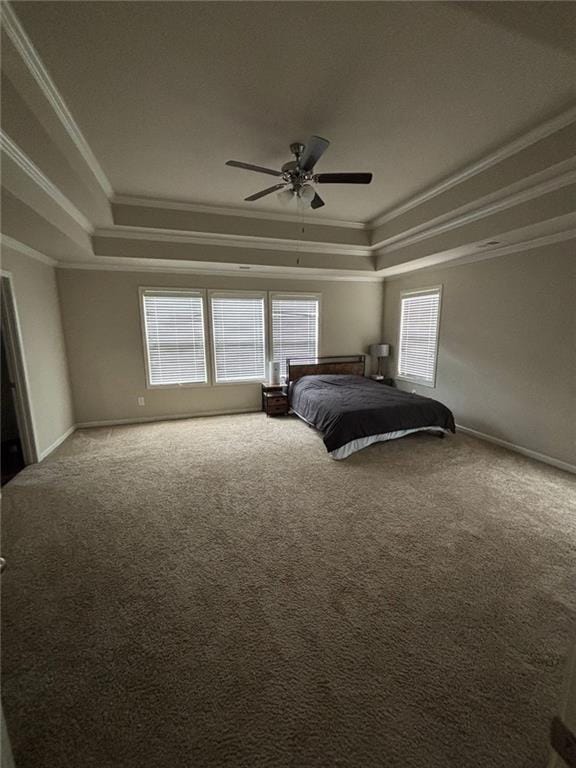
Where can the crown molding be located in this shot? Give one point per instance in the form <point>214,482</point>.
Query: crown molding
<point>527,245</point>
<point>13,151</point>
<point>26,250</point>
<point>179,205</point>
<point>430,262</point>
<point>235,241</point>
<point>123,264</point>
<point>500,204</point>
<point>542,183</point>
<point>37,69</point>
<point>508,192</point>
<point>507,150</point>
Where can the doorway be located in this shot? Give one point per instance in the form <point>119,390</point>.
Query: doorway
<point>12,453</point>
<point>18,444</point>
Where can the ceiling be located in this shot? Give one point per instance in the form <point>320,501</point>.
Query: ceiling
<point>166,92</point>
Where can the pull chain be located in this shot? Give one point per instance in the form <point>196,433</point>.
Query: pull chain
<point>302,228</point>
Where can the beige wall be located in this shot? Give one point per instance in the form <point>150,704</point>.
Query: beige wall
<point>507,352</point>
<point>36,296</point>
<point>102,325</point>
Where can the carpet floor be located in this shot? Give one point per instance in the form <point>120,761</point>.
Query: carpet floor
<point>219,593</point>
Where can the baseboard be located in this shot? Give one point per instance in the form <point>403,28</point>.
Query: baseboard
<point>173,417</point>
<point>564,465</point>
<point>519,449</point>
<point>47,451</point>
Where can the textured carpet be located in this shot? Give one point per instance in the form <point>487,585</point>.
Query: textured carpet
<point>218,592</point>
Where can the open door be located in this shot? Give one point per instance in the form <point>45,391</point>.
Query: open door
<point>12,453</point>
<point>18,444</point>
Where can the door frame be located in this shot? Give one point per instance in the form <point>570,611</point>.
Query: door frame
<point>17,368</point>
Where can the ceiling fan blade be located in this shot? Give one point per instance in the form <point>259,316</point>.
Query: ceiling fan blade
<point>343,178</point>
<point>317,202</point>
<point>313,151</point>
<point>263,193</point>
<point>250,167</point>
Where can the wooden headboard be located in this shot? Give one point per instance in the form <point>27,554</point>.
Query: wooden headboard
<point>307,366</point>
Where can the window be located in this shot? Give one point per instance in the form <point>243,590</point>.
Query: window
<point>174,333</point>
<point>176,329</point>
<point>238,336</point>
<point>294,327</point>
<point>418,343</point>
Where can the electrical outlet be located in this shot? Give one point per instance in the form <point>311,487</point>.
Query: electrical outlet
<point>141,401</point>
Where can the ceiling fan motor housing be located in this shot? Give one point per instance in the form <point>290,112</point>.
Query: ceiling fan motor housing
<point>294,175</point>
<point>290,167</point>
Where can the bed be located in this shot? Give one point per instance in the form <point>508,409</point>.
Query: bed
<point>352,411</point>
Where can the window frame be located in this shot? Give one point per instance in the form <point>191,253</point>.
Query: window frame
<point>206,295</point>
<point>411,292</point>
<point>292,295</point>
<point>201,292</point>
<point>218,293</point>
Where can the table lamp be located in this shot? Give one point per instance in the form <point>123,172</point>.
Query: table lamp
<point>380,351</point>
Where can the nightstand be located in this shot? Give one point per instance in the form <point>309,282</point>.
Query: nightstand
<point>383,380</point>
<point>274,399</point>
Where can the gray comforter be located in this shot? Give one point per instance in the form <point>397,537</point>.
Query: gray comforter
<point>345,408</point>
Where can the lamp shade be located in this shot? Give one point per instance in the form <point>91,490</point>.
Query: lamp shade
<point>380,350</point>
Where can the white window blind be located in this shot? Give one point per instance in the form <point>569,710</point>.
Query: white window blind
<point>294,328</point>
<point>175,338</point>
<point>418,344</point>
<point>238,337</point>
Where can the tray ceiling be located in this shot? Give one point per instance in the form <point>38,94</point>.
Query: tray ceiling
<point>166,92</point>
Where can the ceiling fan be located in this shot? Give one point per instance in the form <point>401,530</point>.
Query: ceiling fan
<point>298,175</point>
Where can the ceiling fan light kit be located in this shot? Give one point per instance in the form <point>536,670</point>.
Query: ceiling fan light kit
<point>307,193</point>
<point>298,175</point>
<point>285,196</point>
